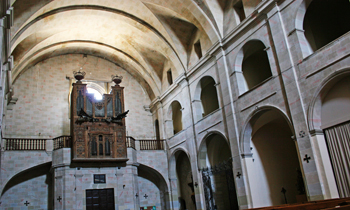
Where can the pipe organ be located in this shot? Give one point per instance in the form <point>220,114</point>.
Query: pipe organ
<point>98,127</point>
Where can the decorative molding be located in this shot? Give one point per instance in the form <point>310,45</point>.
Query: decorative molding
<point>147,108</point>
<point>295,30</point>
<point>247,155</point>
<point>302,134</point>
<point>3,21</point>
<point>307,158</point>
<point>193,101</point>
<point>316,132</point>
<point>234,72</point>
<point>10,18</point>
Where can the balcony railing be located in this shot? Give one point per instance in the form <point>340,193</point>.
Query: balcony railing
<point>65,142</point>
<point>25,144</point>
<point>144,144</point>
<point>151,144</point>
<point>130,142</point>
<point>61,142</point>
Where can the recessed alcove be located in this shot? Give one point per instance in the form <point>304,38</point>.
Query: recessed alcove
<point>215,164</point>
<point>271,158</point>
<point>252,66</point>
<point>325,21</point>
<point>176,110</point>
<point>209,96</point>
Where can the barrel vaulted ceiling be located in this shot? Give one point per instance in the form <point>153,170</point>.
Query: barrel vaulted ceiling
<point>146,38</point>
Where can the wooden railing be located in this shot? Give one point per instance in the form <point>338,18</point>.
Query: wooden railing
<point>151,144</point>
<point>65,142</point>
<point>130,142</point>
<point>25,144</point>
<point>61,142</point>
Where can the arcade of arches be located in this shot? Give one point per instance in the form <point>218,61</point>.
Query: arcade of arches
<point>233,104</point>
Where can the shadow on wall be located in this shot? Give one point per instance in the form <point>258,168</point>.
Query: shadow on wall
<point>21,186</point>
<point>156,178</point>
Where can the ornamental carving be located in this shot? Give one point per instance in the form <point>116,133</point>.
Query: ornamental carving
<point>98,127</point>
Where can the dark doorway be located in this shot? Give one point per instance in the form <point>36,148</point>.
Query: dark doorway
<point>100,199</point>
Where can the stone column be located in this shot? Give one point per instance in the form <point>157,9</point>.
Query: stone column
<point>63,185</point>
<point>128,196</point>
<point>173,193</point>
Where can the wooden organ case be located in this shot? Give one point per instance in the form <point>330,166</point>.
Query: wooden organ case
<point>98,127</point>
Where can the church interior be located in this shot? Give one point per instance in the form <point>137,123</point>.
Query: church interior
<point>174,105</point>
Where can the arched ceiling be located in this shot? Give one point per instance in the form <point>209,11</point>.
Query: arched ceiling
<point>146,38</point>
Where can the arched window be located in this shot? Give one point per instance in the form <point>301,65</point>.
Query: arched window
<point>325,21</point>
<point>176,116</point>
<point>209,96</point>
<point>97,95</point>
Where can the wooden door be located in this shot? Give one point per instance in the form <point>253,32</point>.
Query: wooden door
<point>100,199</point>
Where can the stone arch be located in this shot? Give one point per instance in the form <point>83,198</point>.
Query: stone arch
<point>201,158</point>
<point>172,159</point>
<point>271,157</point>
<point>321,18</point>
<point>205,97</point>
<point>215,163</point>
<point>328,125</point>
<point>180,170</point>
<point>252,65</point>
<point>38,175</point>
<point>247,128</point>
<point>156,178</point>
<point>96,86</point>
<point>174,115</point>
<point>315,107</point>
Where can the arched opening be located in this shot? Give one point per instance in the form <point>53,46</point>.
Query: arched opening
<point>335,100</point>
<point>273,163</point>
<point>325,21</point>
<point>176,116</point>
<point>209,96</point>
<point>155,182</point>
<point>185,183</point>
<point>97,95</point>
<point>41,194</point>
<point>253,62</point>
<point>215,161</point>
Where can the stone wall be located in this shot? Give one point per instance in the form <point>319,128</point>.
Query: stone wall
<point>43,107</point>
